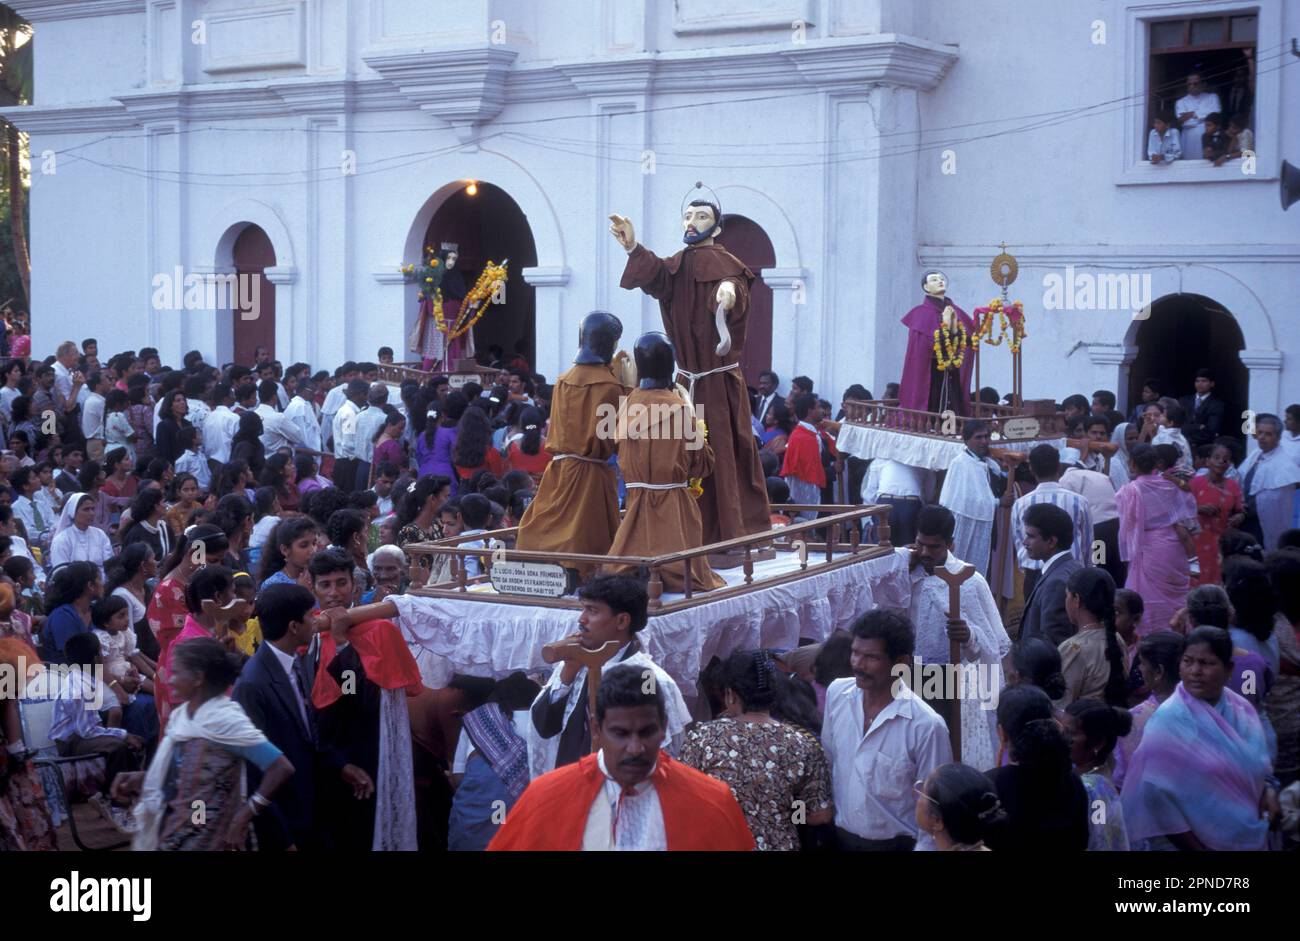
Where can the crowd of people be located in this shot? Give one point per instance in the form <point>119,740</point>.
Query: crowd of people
<point>209,557</point>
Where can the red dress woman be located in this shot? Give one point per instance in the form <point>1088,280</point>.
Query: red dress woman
<point>1219,507</point>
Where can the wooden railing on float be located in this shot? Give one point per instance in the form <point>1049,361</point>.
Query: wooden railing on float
<point>887,415</point>
<point>837,554</point>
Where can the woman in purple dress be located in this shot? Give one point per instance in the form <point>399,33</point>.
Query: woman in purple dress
<point>433,448</point>
<point>1150,506</point>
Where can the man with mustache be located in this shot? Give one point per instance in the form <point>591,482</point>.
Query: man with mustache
<point>628,795</point>
<point>880,738</point>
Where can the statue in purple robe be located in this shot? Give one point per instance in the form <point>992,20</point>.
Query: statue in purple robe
<point>925,387</point>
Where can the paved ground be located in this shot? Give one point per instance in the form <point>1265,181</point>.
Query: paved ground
<point>93,829</point>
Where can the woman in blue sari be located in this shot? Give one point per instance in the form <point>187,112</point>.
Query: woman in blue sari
<point>1202,779</point>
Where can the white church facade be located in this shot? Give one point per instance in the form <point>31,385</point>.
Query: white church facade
<point>853,144</point>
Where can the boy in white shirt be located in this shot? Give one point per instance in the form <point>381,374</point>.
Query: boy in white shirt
<point>192,460</point>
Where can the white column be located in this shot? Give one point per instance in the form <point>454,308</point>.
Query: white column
<point>1111,362</point>
<point>557,337</point>
<point>282,278</point>
<point>399,309</point>
<point>211,332</point>
<point>1265,368</point>
<point>789,304</point>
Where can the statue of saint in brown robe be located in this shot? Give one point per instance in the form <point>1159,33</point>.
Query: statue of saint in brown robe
<point>735,496</point>
<point>576,507</point>
<point>652,449</point>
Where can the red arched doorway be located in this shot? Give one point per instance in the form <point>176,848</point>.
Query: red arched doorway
<point>1184,333</point>
<point>746,239</point>
<point>252,254</point>
<point>490,225</point>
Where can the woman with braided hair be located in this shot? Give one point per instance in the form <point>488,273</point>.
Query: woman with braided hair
<point>770,766</point>
<point>959,807</point>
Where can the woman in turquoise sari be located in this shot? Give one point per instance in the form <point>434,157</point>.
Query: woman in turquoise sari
<point>1202,779</point>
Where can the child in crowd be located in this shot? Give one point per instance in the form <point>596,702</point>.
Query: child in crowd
<point>1168,459</point>
<point>1163,144</point>
<point>250,638</point>
<point>1242,137</point>
<point>117,642</point>
<point>191,461</point>
<point>1215,141</point>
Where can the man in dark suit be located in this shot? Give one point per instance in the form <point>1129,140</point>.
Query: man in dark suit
<point>271,690</point>
<point>1205,412</point>
<point>1049,534</point>
<point>762,400</point>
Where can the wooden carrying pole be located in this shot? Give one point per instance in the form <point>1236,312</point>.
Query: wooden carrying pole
<point>571,651</point>
<point>954,580</point>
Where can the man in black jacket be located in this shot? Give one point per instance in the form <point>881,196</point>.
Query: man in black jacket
<point>1049,534</point>
<point>271,691</point>
<point>1205,412</point>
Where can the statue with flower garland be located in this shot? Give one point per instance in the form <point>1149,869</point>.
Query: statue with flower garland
<point>444,326</point>
<point>441,292</point>
<point>936,368</point>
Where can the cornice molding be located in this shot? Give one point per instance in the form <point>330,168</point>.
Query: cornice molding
<point>1086,256</point>
<point>44,11</point>
<point>468,86</point>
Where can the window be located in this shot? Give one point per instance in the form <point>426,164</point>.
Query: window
<point>1221,50</point>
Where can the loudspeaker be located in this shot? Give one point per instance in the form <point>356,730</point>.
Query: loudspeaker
<point>1290,191</point>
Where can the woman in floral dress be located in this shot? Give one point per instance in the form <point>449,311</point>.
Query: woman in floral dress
<point>768,764</point>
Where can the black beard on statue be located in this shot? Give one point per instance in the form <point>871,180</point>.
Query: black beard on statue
<point>691,239</point>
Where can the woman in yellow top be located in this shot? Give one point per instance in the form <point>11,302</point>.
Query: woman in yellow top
<point>248,640</point>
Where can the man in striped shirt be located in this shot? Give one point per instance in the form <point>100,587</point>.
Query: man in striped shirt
<point>1045,463</point>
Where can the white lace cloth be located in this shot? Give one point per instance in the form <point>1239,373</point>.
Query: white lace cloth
<point>486,639</point>
<point>915,450</point>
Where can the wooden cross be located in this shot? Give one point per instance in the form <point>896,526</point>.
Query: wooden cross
<point>954,580</point>
<point>571,651</point>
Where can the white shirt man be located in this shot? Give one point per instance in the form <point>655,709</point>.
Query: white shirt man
<point>345,430</point>
<point>1197,104</point>
<point>278,431</point>
<point>891,478</point>
<point>1097,489</point>
<point>1051,491</point>
<point>334,400</point>
<point>1269,479</point>
<point>369,423</point>
<point>873,772</point>
<point>303,413</point>
<point>92,418</point>
<point>218,431</point>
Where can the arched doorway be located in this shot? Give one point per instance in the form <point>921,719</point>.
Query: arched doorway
<point>1184,333</point>
<point>251,255</point>
<point>746,239</point>
<point>488,225</point>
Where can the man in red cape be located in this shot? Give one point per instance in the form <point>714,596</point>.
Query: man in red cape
<point>922,386</point>
<point>628,795</point>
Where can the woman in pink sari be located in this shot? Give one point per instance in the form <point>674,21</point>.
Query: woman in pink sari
<point>1149,508</point>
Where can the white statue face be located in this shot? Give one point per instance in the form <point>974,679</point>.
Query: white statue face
<point>451,259</point>
<point>935,283</point>
<point>698,219</point>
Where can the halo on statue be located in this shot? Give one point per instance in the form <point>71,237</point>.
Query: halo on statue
<point>449,247</point>
<point>713,197</point>
<point>1003,269</point>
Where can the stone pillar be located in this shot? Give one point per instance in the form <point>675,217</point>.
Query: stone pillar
<point>789,306</point>
<point>555,329</point>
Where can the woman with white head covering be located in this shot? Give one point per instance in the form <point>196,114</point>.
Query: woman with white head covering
<point>75,539</point>
<point>1123,437</point>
